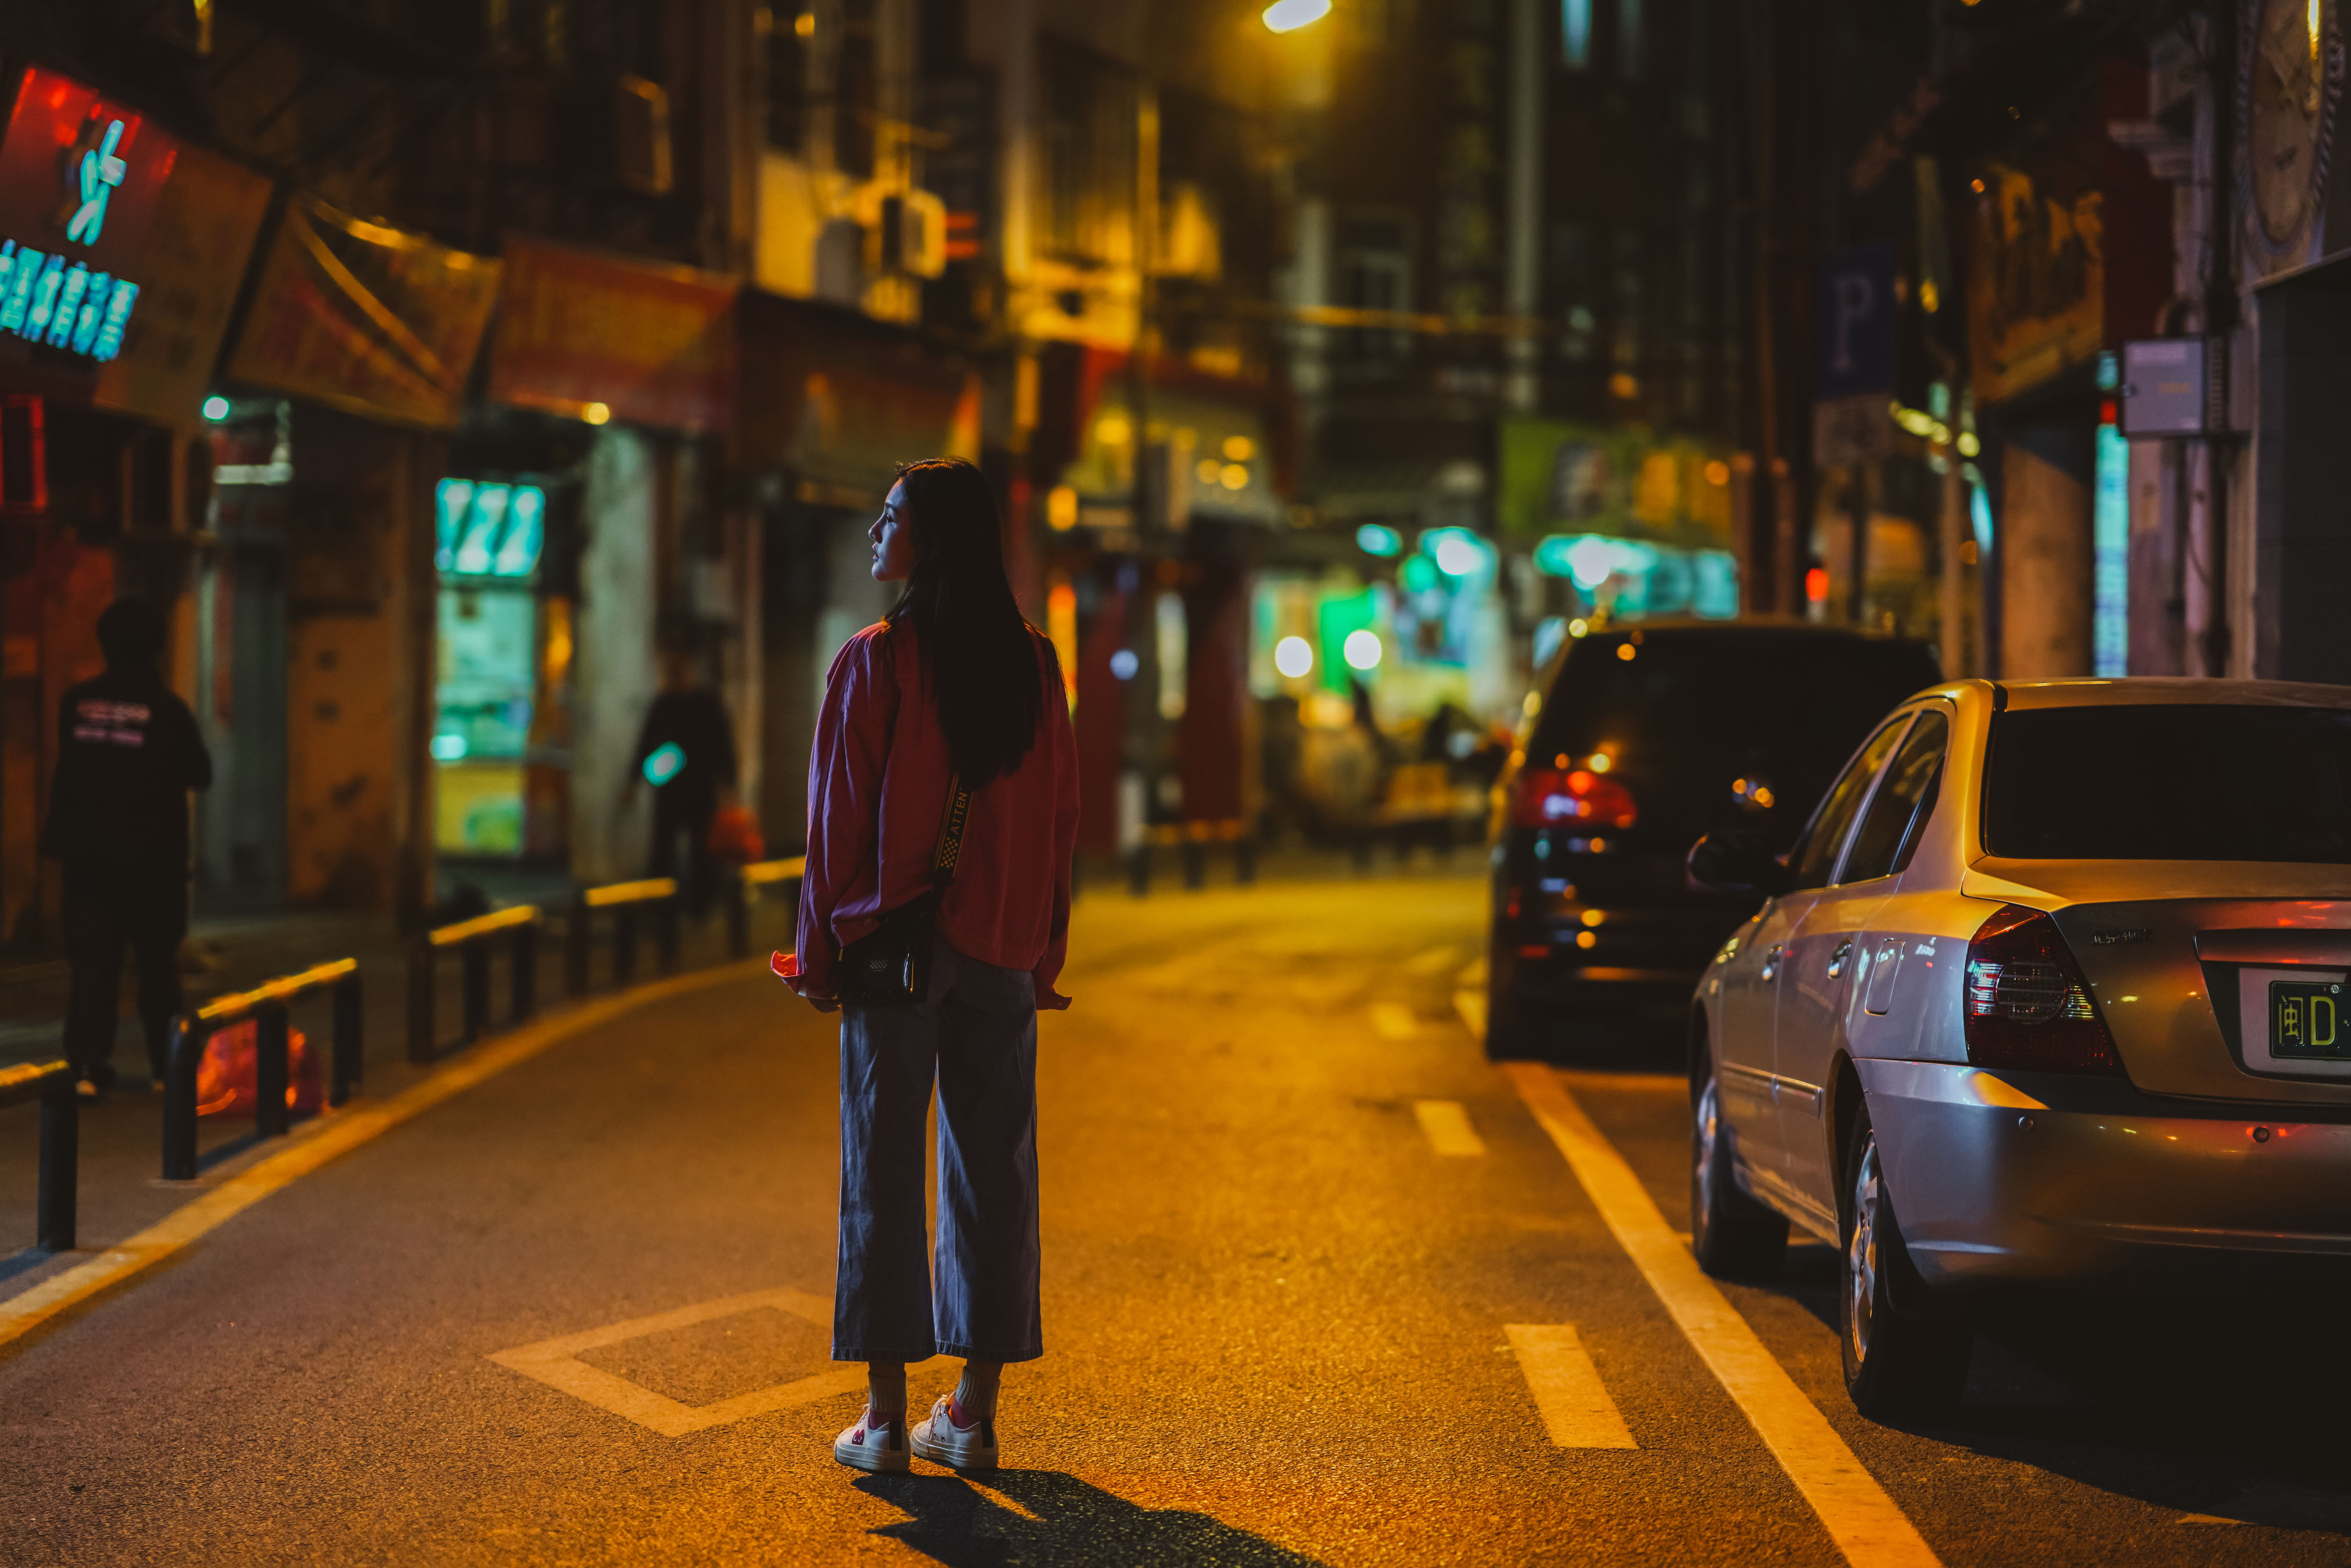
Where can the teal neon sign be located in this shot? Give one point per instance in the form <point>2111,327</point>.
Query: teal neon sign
<point>43,300</point>
<point>485,529</point>
<point>100,171</point>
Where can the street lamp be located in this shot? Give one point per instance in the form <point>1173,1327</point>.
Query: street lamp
<point>1289,15</point>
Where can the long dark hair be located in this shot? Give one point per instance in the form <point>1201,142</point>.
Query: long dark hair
<point>980,654</point>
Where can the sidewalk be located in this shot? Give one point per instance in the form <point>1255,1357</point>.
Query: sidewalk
<point>227,953</point>
<point>121,1140</point>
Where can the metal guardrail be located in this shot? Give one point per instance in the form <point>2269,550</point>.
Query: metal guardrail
<point>265,1004</point>
<point>473,940</point>
<point>1191,840</point>
<point>750,883</point>
<point>51,1084</point>
<point>624,899</point>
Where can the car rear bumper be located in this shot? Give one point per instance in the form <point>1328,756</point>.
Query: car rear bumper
<point>1580,946</point>
<point>1994,1186</point>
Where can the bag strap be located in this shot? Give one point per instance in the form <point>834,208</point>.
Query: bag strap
<point>951,827</point>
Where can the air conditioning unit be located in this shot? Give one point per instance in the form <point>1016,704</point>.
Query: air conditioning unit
<point>913,226</point>
<point>640,145</point>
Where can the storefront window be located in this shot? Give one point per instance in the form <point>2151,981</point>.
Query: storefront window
<point>490,535</point>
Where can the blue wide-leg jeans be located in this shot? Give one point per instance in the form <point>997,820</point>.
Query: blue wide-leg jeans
<point>975,1034</point>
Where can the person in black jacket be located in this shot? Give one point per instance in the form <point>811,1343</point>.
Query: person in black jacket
<point>128,755</point>
<point>687,752</point>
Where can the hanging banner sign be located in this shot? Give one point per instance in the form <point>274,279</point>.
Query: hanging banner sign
<point>366,318</point>
<point>598,337</point>
<point>196,252</point>
<point>2037,284</point>
<point>79,179</point>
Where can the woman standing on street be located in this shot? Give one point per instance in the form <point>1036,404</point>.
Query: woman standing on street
<point>942,791</point>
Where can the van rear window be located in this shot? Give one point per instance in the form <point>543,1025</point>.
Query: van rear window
<point>2192,782</point>
<point>1728,694</point>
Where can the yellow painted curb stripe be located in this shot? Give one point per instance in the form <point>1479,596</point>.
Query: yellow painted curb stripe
<point>1866,1526</point>
<point>337,1135</point>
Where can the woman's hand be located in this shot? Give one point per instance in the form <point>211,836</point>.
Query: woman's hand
<point>786,967</point>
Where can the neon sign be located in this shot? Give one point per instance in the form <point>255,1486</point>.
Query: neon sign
<point>42,300</point>
<point>489,530</point>
<point>79,176</point>
<point>100,171</point>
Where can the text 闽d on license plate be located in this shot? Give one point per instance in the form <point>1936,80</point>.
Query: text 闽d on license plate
<point>2306,1019</point>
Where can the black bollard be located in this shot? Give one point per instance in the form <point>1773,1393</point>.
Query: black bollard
<point>473,955</point>
<point>624,944</point>
<point>269,1070</point>
<point>189,1033</point>
<point>350,1061</point>
<point>60,1165</point>
<point>424,996</point>
<point>524,961</point>
<point>666,933</point>
<point>578,932</point>
<point>739,893</point>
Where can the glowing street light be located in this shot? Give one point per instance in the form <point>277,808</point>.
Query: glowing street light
<point>1293,657</point>
<point>1289,15</point>
<point>1363,649</point>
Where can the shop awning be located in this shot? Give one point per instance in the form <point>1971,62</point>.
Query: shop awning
<point>841,399</point>
<point>366,318</point>
<point>599,338</point>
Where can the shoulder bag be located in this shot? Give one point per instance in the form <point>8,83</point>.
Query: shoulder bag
<point>890,964</point>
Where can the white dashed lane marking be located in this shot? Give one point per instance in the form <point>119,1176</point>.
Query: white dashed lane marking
<point>1446,1123</point>
<point>1576,1409</point>
<point>1867,1526</point>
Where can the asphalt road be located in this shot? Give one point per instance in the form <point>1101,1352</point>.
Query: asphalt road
<point>1307,1259</point>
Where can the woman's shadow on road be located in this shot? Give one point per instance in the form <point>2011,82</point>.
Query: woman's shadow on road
<point>1057,1519</point>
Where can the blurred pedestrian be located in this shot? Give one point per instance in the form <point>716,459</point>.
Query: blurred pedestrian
<point>128,755</point>
<point>943,810</point>
<point>687,752</point>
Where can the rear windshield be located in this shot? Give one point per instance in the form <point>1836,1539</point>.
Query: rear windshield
<point>1734,695</point>
<point>2188,782</point>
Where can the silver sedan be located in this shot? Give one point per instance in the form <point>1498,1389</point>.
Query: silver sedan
<point>2049,989</point>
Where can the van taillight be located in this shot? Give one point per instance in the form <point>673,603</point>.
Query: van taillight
<point>1571,797</point>
<point>2026,1004</point>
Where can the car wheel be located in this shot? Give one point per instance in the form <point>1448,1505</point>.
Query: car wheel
<point>1897,1362</point>
<point>1734,1236</point>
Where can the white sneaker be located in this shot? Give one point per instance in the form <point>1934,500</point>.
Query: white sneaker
<point>873,1446</point>
<point>938,1439</point>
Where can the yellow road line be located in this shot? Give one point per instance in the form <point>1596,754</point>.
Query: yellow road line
<point>1393,1021</point>
<point>557,1364</point>
<point>1446,1123</point>
<point>1471,1006</point>
<point>1575,1405</point>
<point>338,1135</point>
<point>1866,1526</point>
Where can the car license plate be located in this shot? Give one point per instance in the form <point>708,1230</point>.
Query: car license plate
<point>2306,1019</point>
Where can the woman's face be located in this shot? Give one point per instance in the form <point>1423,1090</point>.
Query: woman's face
<point>893,538</point>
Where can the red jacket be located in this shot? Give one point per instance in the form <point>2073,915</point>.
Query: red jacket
<point>877,789</point>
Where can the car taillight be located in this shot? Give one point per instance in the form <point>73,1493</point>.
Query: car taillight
<point>1571,797</point>
<point>2026,1005</point>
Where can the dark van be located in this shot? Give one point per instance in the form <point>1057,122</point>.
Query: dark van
<point>1645,739</point>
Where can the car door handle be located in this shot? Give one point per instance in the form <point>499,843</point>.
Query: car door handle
<point>1772,958</point>
<point>1836,960</point>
